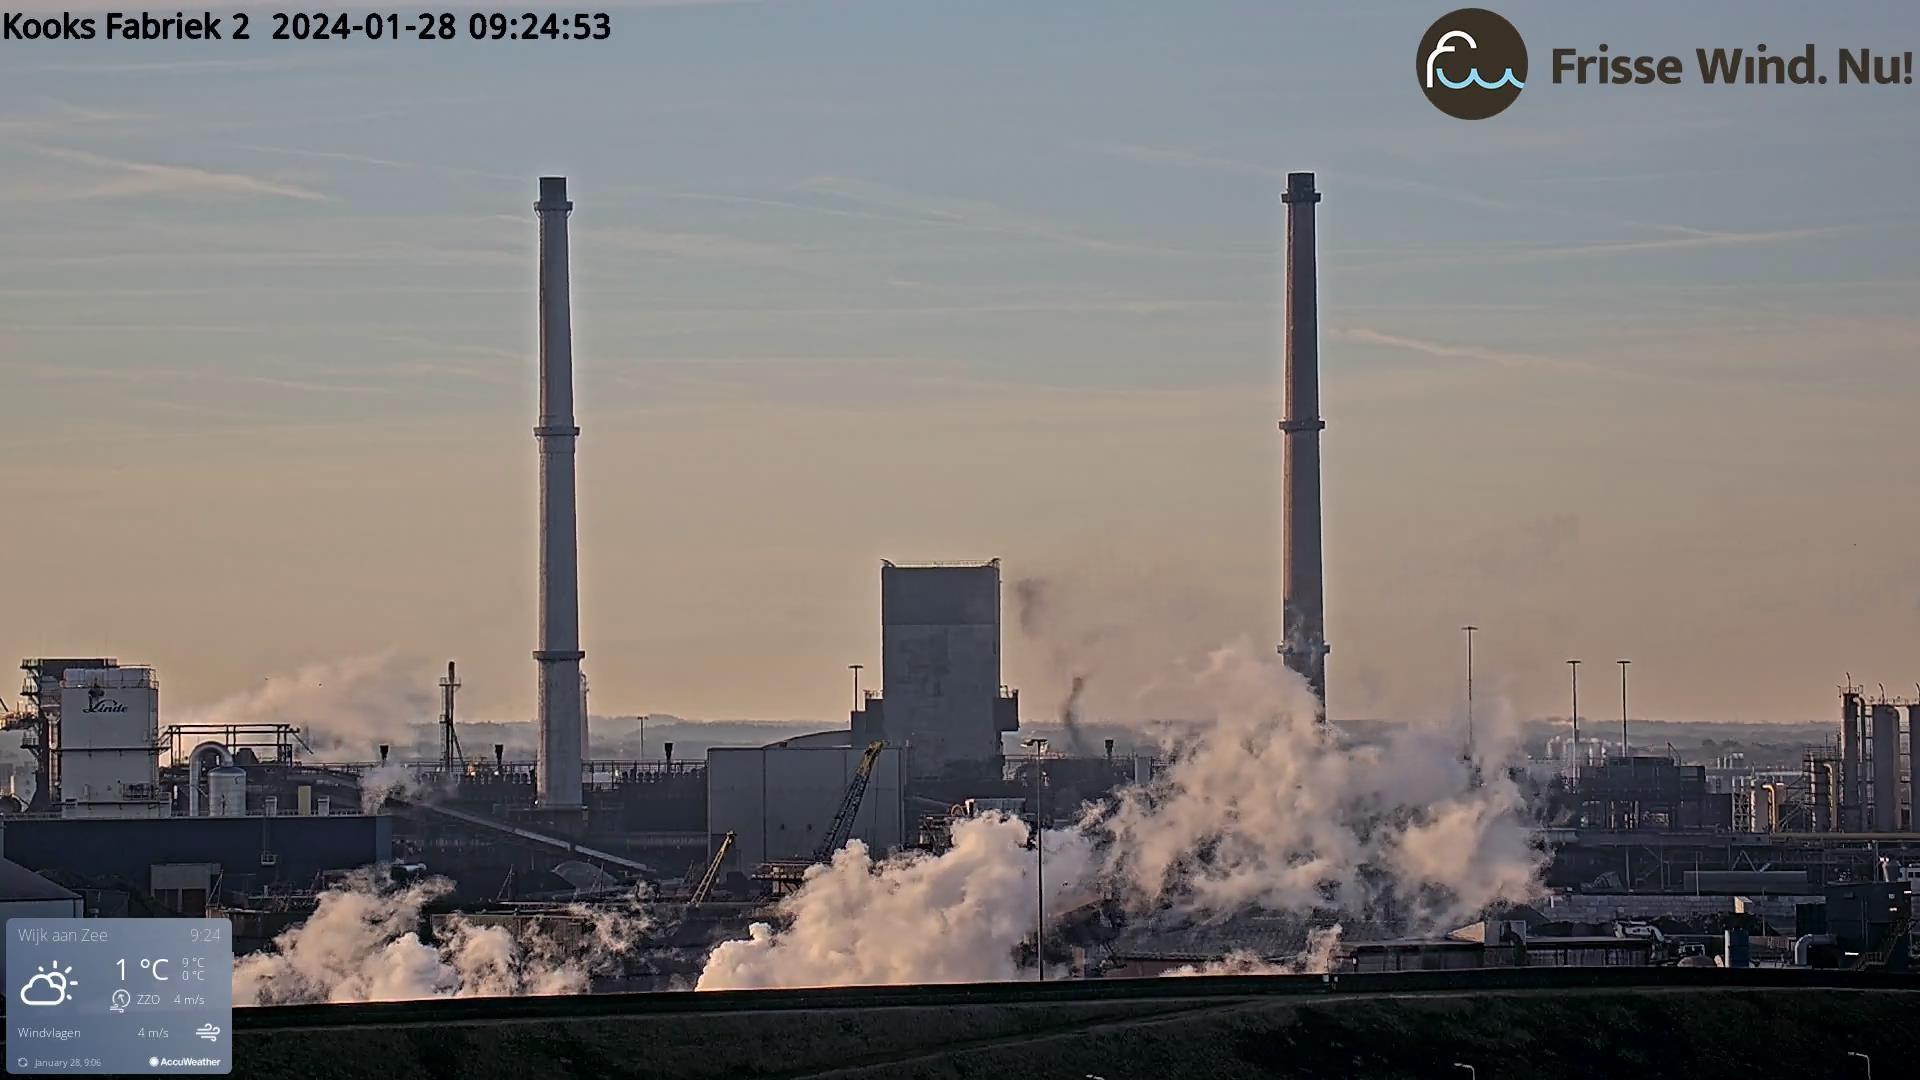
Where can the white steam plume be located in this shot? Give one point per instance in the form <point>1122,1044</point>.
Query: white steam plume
<point>1262,808</point>
<point>342,707</point>
<point>956,917</point>
<point>362,943</point>
<point>392,778</point>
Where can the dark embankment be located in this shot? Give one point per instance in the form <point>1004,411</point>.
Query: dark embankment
<point>1540,1024</point>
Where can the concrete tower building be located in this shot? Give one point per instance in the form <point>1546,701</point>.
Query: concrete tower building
<point>1304,607</point>
<point>940,669</point>
<point>561,697</point>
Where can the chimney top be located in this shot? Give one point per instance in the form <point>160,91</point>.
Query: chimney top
<point>553,194</point>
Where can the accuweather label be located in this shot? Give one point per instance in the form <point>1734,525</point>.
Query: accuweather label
<point>119,995</point>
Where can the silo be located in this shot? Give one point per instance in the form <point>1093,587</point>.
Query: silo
<point>1852,794</point>
<point>227,792</point>
<point>1913,766</point>
<point>1820,793</point>
<point>1886,768</point>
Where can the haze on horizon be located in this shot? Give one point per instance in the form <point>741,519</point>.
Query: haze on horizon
<point>1622,372</point>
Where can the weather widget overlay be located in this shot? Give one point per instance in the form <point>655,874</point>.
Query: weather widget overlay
<point>119,995</point>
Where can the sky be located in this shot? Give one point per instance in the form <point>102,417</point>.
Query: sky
<point>1622,372</point>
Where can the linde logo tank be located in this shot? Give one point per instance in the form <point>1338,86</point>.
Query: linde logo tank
<point>104,705</point>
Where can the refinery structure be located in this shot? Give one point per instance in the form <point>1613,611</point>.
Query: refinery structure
<point>1652,861</point>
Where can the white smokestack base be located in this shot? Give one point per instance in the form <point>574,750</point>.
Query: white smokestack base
<point>561,702</point>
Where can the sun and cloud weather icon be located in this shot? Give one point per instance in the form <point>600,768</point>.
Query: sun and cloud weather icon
<point>49,985</point>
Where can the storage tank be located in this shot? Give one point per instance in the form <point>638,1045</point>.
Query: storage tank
<point>1886,768</point>
<point>1820,797</point>
<point>1853,788</point>
<point>227,792</point>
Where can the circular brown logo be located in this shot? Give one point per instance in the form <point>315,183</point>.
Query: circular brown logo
<point>1471,64</point>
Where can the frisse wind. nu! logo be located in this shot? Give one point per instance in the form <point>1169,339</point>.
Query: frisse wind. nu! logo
<point>1472,64</point>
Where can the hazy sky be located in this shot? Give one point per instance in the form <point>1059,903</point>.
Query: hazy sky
<point>1620,372</point>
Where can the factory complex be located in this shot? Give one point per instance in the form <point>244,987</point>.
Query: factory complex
<point>1650,861</point>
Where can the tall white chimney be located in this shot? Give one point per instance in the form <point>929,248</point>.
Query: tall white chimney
<point>562,705</point>
<point>1304,604</point>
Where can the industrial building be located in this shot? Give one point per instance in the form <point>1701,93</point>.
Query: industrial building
<point>110,743</point>
<point>941,696</point>
<point>38,719</point>
<point>778,800</point>
<point>241,818</point>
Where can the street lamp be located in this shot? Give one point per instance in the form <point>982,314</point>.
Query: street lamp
<point>1625,750</point>
<point>1472,1073</point>
<point>1469,630</point>
<point>1039,862</point>
<point>1865,1058</point>
<point>1574,665</point>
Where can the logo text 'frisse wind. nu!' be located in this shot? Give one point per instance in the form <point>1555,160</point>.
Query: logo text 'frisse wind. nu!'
<point>1755,66</point>
<point>1471,63</point>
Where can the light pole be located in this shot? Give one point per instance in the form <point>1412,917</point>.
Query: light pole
<point>1039,862</point>
<point>1574,666</point>
<point>1625,750</point>
<point>1469,630</point>
<point>1472,1073</point>
<point>1865,1058</point>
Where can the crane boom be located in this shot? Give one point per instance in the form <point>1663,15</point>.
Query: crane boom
<point>707,880</point>
<point>787,874</point>
<point>849,805</point>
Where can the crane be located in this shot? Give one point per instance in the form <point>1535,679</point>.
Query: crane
<point>788,873</point>
<point>705,888</point>
<point>836,837</point>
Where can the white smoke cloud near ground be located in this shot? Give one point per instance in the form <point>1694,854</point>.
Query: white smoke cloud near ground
<point>1261,808</point>
<point>955,917</point>
<point>362,943</point>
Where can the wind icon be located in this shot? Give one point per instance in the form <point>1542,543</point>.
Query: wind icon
<point>1474,78</point>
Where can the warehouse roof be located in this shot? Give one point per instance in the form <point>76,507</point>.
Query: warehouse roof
<point>19,883</point>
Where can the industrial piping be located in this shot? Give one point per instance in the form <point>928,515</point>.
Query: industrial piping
<point>1304,605</point>
<point>560,697</point>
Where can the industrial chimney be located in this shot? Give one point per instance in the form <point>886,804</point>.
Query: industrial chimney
<point>562,706</point>
<point>1304,610</point>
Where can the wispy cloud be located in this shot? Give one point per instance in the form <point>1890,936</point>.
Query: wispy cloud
<point>334,155</point>
<point>61,119</point>
<point>1441,350</point>
<point>1185,159</point>
<point>1692,238</point>
<point>707,247</point>
<point>127,179</point>
<point>201,66</point>
<point>976,215</point>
